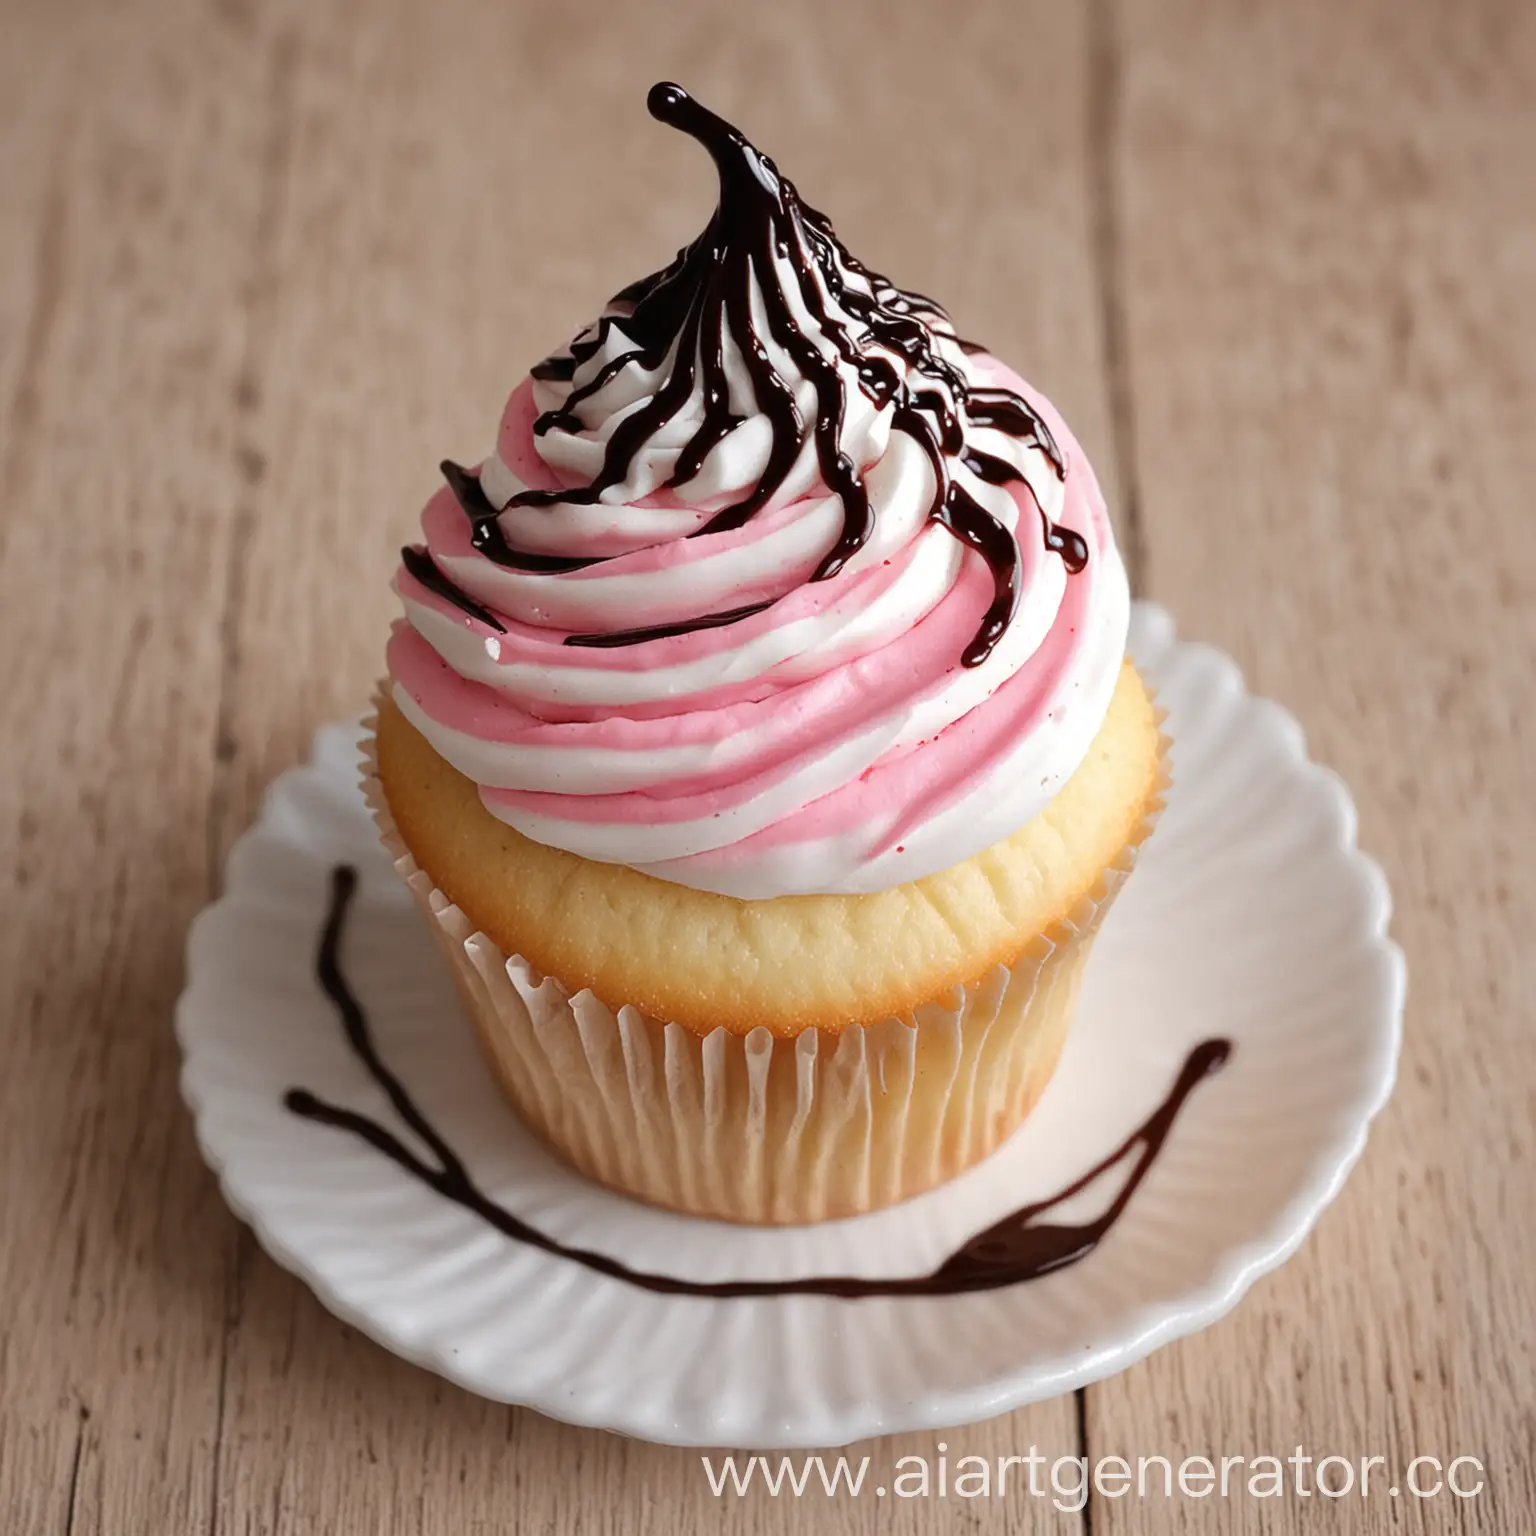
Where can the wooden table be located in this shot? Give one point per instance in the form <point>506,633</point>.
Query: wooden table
<point>262,264</point>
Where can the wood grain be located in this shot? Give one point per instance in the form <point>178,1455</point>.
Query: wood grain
<point>262,265</point>
<point>123,258</point>
<point>1329,271</point>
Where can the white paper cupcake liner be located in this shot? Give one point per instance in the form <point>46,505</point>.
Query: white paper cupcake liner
<point>754,1127</point>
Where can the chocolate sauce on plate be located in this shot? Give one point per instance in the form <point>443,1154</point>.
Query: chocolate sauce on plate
<point>1020,1247</point>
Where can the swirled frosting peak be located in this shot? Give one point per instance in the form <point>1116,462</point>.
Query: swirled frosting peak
<point>772,584</point>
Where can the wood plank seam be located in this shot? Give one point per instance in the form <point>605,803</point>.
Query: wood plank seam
<point>49,262</point>
<point>1080,1405</point>
<point>260,297</point>
<point>1104,133</point>
<point>232,608</point>
<point>83,1416</point>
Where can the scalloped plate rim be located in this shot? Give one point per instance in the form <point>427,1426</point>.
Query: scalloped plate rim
<point>1234,1271</point>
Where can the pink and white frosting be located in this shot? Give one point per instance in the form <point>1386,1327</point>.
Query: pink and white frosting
<point>831,741</point>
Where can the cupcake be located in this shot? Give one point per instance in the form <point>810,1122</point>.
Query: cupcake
<point>758,736</point>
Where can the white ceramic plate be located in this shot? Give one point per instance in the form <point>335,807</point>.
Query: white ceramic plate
<point>1252,916</point>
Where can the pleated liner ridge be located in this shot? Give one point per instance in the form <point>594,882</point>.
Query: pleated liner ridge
<point>754,1128</point>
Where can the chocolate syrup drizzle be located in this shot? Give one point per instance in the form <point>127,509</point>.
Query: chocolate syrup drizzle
<point>685,311</point>
<point>1020,1247</point>
<point>615,638</point>
<point>419,562</point>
